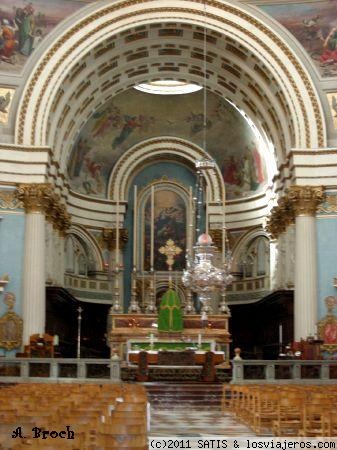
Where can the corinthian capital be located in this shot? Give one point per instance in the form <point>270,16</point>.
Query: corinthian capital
<point>305,199</point>
<point>35,197</point>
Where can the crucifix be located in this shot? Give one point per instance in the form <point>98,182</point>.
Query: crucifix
<point>170,250</point>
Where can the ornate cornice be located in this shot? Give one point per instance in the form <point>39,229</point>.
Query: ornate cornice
<point>305,199</point>
<point>40,198</point>
<point>109,237</point>
<point>299,201</point>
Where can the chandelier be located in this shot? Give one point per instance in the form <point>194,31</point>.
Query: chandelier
<point>201,276</point>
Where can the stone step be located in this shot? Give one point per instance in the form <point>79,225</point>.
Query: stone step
<point>196,396</point>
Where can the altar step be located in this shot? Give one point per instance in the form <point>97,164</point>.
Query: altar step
<point>195,396</point>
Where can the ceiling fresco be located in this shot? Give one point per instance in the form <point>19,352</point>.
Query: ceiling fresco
<point>314,24</point>
<point>25,24</point>
<point>134,116</point>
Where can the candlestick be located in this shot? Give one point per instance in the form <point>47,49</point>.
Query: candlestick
<point>190,221</point>
<point>117,233</point>
<point>280,334</point>
<point>152,227</point>
<point>223,231</point>
<point>135,207</point>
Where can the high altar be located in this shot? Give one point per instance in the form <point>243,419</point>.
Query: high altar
<point>136,331</point>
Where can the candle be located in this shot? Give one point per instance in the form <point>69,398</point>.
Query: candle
<point>199,340</point>
<point>56,340</point>
<point>135,206</point>
<point>190,221</point>
<point>117,233</point>
<point>223,229</point>
<point>280,333</point>
<point>152,227</point>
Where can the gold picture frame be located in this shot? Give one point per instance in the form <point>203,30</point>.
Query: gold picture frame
<point>11,328</point>
<point>327,332</point>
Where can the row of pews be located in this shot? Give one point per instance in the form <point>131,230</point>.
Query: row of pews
<point>74,416</point>
<point>284,410</point>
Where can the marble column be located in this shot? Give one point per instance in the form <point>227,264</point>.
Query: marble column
<point>305,200</point>
<point>35,198</point>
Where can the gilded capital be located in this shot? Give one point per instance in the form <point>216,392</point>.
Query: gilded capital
<point>109,237</point>
<point>35,197</point>
<point>280,218</point>
<point>306,199</point>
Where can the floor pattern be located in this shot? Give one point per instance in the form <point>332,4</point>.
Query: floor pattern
<point>195,423</point>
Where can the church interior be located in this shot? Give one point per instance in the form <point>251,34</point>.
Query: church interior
<point>168,218</point>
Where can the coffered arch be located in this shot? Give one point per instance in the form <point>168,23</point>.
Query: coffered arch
<point>248,62</point>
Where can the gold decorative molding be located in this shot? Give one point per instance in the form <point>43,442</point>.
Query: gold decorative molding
<point>109,237</point>
<point>9,200</point>
<point>329,205</point>
<point>305,199</point>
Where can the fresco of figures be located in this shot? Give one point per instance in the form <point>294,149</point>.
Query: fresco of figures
<point>314,24</point>
<point>24,24</point>
<point>134,116</point>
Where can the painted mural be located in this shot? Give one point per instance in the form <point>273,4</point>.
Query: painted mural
<point>169,223</point>
<point>134,116</point>
<point>6,97</point>
<point>314,24</point>
<point>24,24</point>
<point>332,99</point>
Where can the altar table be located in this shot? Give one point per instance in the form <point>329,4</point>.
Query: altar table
<point>152,357</point>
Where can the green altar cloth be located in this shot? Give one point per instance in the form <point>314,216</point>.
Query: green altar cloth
<point>170,317</point>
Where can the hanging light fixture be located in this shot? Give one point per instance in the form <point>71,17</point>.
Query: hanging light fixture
<point>200,275</point>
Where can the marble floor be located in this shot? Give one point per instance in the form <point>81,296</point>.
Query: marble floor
<point>189,422</point>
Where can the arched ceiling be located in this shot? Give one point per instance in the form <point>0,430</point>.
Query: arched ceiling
<point>169,50</point>
<point>132,117</point>
<point>128,42</point>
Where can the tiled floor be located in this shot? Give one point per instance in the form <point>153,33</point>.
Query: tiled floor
<point>195,423</point>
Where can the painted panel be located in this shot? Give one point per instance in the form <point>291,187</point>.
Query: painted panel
<point>314,25</point>
<point>25,24</point>
<point>169,223</point>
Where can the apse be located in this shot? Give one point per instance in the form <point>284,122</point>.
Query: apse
<point>132,117</point>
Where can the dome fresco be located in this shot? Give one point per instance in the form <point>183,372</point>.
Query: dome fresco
<point>134,116</point>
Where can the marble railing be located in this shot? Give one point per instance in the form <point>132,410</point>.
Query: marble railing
<point>60,370</point>
<point>284,371</point>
